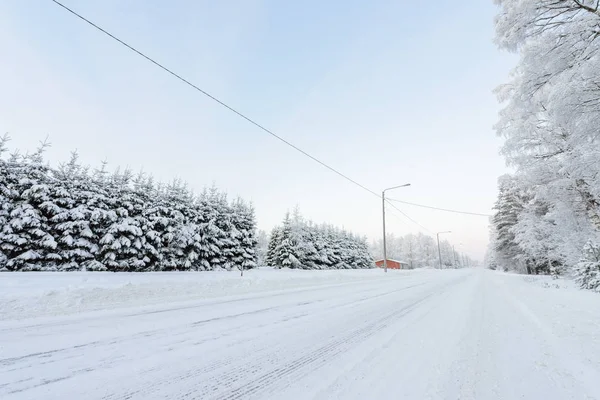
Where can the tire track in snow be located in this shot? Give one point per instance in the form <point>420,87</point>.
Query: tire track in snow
<point>123,312</point>
<point>219,371</point>
<point>109,347</point>
<point>314,359</point>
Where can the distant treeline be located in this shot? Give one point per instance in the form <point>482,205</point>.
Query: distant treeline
<point>300,244</point>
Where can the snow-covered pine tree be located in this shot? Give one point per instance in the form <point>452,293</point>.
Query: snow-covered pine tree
<point>214,237</point>
<point>286,247</point>
<point>71,193</point>
<point>364,258</point>
<point>186,245</point>
<point>122,243</point>
<point>249,238</point>
<point>175,233</point>
<point>6,194</point>
<point>271,259</point>
<point>146,194</point>
<point>320,242</point>
<point>208,242</point>
<point>245,227</point>
<point>26,239</point>
<point>509,206</point>
<point>587,272</point>
<point>231,237</point>
<point>311,256</point>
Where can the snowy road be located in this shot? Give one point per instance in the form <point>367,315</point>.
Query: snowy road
<point>455,334</point>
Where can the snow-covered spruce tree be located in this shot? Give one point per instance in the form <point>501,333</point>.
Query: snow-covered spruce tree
<point>271,259</point>
<point>285,250</point>
<point>230,239</point>
<point>161,224</point>
<point>7,180</point>
<point>509,205</point>
<point>181,248</point>
<point>587,272</point>
<point>72,192</point>
<point>311,256</point>
<point>320,244</point>
<point>249,238</point>
<point>332,253</point>
<point>100,204</point>
<point>146,194</point>
<point>363,258</point>
<point>26,239</point>
<point>244,253</point>
<point>211,234</point>
<point>122,242</point>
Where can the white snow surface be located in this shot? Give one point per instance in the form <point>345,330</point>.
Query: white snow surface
<point>25,295</point>
<point>457,334</point>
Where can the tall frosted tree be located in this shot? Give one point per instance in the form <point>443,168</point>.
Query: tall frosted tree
<point>549,123</point>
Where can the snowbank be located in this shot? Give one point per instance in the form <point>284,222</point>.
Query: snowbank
<point>34,294</point>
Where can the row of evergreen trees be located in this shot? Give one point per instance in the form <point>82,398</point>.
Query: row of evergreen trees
<point>70,218</point>
<point>304,245</point>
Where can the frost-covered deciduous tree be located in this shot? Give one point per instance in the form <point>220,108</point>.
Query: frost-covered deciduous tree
<point>587,272</point>
<point>262,245</point>
<point>549,122</point>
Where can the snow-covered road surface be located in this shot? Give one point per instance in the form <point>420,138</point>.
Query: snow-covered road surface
<point>467,334</point>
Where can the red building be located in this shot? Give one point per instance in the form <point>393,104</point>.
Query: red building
<point>392,264</point>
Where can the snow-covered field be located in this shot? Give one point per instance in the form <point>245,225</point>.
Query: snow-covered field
<point>468,334</point>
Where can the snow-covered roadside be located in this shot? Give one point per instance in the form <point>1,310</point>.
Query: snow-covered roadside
<point>569,314</point>
<point>35,294</point>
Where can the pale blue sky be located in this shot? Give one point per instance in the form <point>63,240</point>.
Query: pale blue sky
<point>388,92</point>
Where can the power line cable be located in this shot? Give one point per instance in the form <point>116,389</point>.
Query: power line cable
<point>407,217</point>
<point>440,209</point>
<point>240,114</point>
<point>230,108</point>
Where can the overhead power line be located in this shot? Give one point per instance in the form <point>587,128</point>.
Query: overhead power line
<point>440,209</point>
<point>230,108</point>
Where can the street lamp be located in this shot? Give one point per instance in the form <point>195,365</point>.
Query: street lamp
<point>439,251</point>
<point>383,211</point>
